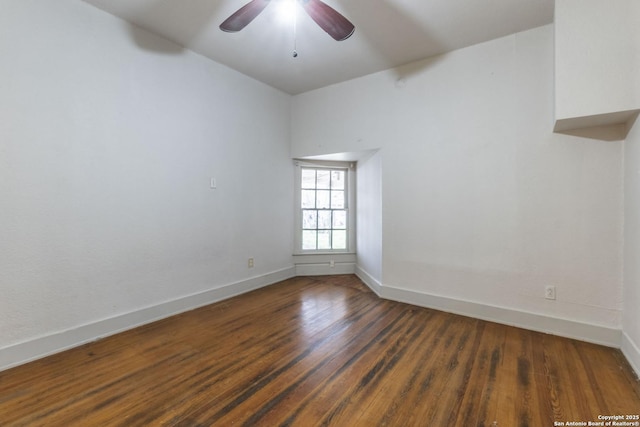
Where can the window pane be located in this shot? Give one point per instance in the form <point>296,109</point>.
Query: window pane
<point>337,180</point>
<point>308,178</point>
<point>337,200</point>
<point>308,199</point>
<point>324,179</point>
<point>324,239</point>
<point>340,219</point>
<point>310,219</point>
<point>324,220</point>
<point>339,239</point>
<point>324,214</point>
<point>309,239</point>
<point>323,199</point>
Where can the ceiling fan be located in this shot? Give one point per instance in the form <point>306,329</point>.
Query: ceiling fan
<point>336,25</point>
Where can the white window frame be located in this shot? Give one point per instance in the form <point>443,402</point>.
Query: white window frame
<point>350,200</point>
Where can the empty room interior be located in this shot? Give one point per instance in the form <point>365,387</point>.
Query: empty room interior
<point>377,212</point>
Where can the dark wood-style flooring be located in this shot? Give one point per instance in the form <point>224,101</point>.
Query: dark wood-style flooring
<point>321,351</point>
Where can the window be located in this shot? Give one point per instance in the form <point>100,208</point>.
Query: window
<point>323,212</point>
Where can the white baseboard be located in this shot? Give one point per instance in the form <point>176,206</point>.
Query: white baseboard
<point>369,280</point>
<point>536,322</point>
<point>631,351</point>
<point>21,353</point>
<point>28,351</point>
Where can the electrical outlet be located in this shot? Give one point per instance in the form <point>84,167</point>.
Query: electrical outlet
<point>250,263</point>
<point>550,292</point>
<point>332,264</point>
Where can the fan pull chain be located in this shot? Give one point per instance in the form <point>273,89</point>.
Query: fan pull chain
<point>295,33</point>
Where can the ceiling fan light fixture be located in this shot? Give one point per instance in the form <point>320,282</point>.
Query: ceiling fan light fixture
<point>327,18</point>
<point>286,11</point>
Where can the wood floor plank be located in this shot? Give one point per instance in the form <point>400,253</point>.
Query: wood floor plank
<point>321,351</point>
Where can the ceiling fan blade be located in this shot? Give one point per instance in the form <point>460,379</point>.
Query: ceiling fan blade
<point>336,25</point>
<point>243,16</point>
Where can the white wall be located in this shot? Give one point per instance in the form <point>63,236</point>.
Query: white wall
<point>369,220</point>
<point>481,202</point>
<point>106,155</point>
<point>631,318</point>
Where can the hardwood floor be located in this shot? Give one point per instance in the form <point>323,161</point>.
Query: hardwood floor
<point>321,351</point>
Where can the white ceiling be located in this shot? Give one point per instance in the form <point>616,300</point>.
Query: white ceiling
<point>388,33</point>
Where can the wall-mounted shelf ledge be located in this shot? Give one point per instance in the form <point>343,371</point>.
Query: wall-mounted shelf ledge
<point>608,127</point>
